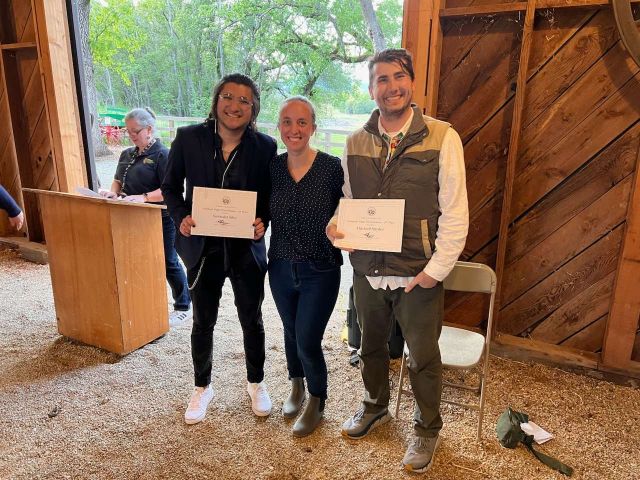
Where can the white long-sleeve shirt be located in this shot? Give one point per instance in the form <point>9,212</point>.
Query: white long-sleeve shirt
<point>453,223</point>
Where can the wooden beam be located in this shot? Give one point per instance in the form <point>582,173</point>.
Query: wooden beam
<point>624,313</point>
<point>478,10</point>
<point>514,143</point>
<point>416,30</point>
<point>17,46</point>
<point>567,358</point>
<point>632,369</point>
<point>575,3</point>
<point>503,8</point>
<point>527,349</point>
<point>435,57</point>
<point>58,81</point>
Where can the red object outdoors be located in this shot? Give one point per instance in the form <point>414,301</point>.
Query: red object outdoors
<point>112,134</point>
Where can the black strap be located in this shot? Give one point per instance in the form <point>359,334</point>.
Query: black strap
<point>546,459</point>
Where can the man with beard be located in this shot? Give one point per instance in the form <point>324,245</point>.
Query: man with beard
<point>402,154</point>
<point>225,151</point>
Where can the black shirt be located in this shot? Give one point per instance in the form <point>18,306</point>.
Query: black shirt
<point>301,211</point>
<point>146,171</point>
<point>143,173</point>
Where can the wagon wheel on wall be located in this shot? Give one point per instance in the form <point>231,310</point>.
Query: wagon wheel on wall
<point>627,27</point>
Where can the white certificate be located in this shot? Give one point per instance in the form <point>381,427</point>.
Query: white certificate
<point>220,212</point>
<point>371,224</point>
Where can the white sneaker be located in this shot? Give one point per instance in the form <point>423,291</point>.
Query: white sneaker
<point>197,408</point>
<point>260,401</point>
<point>179,317</point>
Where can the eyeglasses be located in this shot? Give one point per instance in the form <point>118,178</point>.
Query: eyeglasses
<point>228,98</point>
<point>135,132</point>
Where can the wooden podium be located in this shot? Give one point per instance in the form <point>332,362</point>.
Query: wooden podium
<point>107,269</point>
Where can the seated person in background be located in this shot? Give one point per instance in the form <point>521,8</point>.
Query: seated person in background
<point>8,204</point>
<point>304,268</point>
<point>139,173</point>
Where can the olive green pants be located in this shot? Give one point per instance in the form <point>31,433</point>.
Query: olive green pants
<point>419,314</point>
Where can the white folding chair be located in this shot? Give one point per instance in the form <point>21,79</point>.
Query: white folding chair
<point>460,348</point>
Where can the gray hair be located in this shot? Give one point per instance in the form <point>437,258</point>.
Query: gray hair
<point>303,99</point>
<point>144,117</point>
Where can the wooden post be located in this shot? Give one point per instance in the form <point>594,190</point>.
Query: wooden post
<point>58,82</point>
<point>514,143</point>
<point>622,323</point>
<point>435,57</point>
<point>172,129</point>
<point>416,31</point>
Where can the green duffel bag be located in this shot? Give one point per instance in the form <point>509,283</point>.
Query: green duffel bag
<point>510,435</point>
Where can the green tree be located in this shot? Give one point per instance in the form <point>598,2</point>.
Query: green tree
<point>169,53</point>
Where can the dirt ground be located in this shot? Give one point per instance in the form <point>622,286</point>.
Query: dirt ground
<point>73,411</point>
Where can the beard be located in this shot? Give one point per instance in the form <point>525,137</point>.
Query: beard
<point>396,110</point>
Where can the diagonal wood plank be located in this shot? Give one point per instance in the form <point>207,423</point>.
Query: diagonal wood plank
<point>459,37</point>
<point>486,157</point>
<point>473,312</point>
<point>591,265</point>
<point>577,56</point>
<point>585,308</point>
<point>600,128</point>
<point>21,12</point>
<point>490,144</point>
<point>592,223</point>
<point>581,189</point>
<point>492,93</point>
<point>492,51</point>
<point>594,88</point>
<point>589,339</point>
<point>483,226</point>
<point>29,32</point>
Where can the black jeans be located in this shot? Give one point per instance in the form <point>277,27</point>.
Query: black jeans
<point>174,272</point>
<point>247,281</point>
<point>305,294</point>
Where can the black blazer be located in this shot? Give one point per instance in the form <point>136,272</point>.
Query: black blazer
<point>192,158</point>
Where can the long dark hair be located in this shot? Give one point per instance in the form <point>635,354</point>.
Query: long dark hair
<point>240,79</point>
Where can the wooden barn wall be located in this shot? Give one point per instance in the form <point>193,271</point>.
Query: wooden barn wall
<point>579,144</point>
<point>41,148</point>
<point>26,160</point>
<point>12,29</point>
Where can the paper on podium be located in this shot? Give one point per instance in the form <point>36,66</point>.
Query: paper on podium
<point>87,192</point>
<point>219,212</point>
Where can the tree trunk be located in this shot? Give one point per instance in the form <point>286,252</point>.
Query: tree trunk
<point>112,99</point>
<point>375,32</point>
<point>174,58</point>
<point>84,8</point>
<point>309,84</point>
